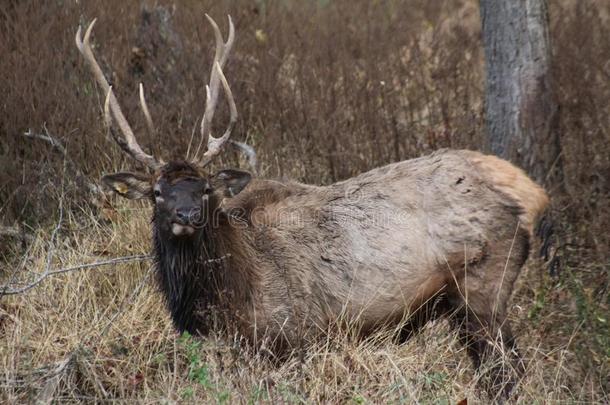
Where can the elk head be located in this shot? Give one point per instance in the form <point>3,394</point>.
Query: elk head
<point>184,193</point>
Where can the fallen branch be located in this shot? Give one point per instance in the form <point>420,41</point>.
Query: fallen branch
<point>125,259</point>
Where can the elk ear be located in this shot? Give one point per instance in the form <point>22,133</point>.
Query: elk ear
<point>129,185</point>
<point>230,182</point>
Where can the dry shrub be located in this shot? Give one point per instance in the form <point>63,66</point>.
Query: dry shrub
<point>322,93</point>
<point>325,90</point>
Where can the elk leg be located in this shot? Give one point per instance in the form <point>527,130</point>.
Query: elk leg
<point>480,300</point>
<point>434,308</point>
<point>492,349</point>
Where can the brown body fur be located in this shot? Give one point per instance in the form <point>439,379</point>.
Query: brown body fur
<point>378,246</point>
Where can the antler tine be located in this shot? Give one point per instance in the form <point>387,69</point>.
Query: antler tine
<point>222,48</point>
<point>229,44</point>
<point>212,87</point>
<point>219,50</point>
<point>215,145</point>
<point>129,143</point>
<point>220,55</point>
<point>145,110</point>
<point>212,92</point>
<point>108,121</point>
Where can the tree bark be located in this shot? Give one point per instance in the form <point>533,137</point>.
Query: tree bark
<point>520,106</point>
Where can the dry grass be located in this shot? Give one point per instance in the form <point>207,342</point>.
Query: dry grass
<point>322,98</point>
<point>104,334</point>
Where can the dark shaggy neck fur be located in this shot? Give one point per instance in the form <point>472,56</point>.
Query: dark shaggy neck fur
<point>206,279</point>
<point>191,277</point>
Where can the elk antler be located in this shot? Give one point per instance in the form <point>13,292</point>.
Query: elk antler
<point>217,77</point>
<point>129,143</point>
<point>144,106</point>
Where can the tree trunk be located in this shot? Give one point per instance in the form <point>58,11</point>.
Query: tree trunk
<point>520,106</point>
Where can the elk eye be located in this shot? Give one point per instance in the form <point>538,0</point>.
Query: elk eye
<point>157,193</point>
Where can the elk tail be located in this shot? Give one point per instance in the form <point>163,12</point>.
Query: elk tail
<point>545,231</point>
<point>533,201</point>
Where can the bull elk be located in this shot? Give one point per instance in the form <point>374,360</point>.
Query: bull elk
<point>285,262</point>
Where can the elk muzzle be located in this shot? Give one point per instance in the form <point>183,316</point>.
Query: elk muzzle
<point>186,220</point>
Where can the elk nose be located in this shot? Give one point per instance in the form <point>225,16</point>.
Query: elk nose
<point>188,215</point>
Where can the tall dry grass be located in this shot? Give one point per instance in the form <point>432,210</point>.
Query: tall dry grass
<point>325,90</point>
<point>103,334</point>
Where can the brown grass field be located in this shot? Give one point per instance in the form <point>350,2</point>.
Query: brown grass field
<point>325,90</point>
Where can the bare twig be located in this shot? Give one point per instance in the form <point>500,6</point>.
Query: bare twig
<point>8,291</point>
<point>47,138</point>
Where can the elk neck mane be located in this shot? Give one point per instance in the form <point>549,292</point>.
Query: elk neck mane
<point>203,276</point>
